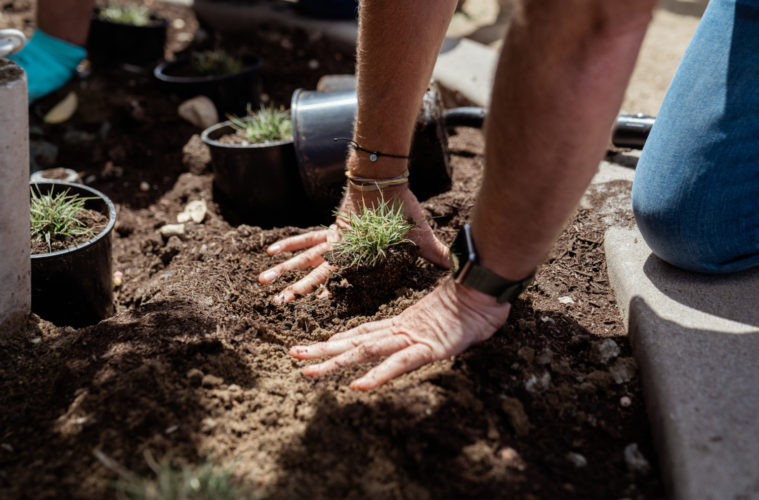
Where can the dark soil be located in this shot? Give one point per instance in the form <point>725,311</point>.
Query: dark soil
<point>194,363</point>
<point>91,219</point>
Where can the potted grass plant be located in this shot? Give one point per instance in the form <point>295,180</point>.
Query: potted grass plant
<point>232,82</point>
<point>254,166</point>
<point>372,257</point>
<point>70,237</point>
<point>126,34</point>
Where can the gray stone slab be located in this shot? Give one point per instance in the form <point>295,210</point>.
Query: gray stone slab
<point>696,339</point>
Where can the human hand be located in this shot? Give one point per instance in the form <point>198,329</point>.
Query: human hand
<point>315,243</point>
<point>444,323</point>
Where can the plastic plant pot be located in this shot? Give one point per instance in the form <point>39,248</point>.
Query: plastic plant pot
<point>329,9</point>
<point>75,286</point>
<point>231,93</point>
<point>259,181</point>
<point>320,117</point>
<point>111,43</point>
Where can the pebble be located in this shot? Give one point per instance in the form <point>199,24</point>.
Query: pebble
<point>118,279</point>
<point>625,402</point>
<point>172,429</point>
<point>7,447</point>
<point>313,64</point>
<point>194,211</point>
<point>36,340</point>
<point>169,230</point>
<point>635,460</point>
<point>200,111</point>
<point>512,458</point>
<point>535,384</point>
<point>144,186</point>
<point>607,350</point>
<point>577,459</point>
<point>566,300</point>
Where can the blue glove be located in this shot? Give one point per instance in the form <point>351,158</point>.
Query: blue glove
<point>49,63</point>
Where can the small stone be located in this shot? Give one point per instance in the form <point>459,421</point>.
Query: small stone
<point>172,429</point>
<point>36,340</point>
<point>90,179</point>
<point>548,319</point>
<point>7,447</point>
<point>623,370</point>
<point>512,458</point>
<point>518,419</point>
<point>178,23</point>
<point>200,111</point>
<point>566,300</point>
<point>577,459</point>
<point>169,230</point>
<point>313,64</point>
<point>212,381</point>
<point>607,350</point>
<point>144,186</point>
<point>118,279</point>
<point>635,460</point>
<point>535,384</point>
<point>625,402</point>
<point>194,211</point>
<point>195,376</point>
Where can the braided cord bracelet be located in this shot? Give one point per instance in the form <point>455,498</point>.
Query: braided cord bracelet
<point>367,183</point>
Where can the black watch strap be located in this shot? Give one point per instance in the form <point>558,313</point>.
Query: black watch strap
<point>486,281</point>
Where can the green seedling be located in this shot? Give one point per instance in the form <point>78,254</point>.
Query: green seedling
<point>264,125</point>
<point>135,15</point>
<point>372,232</point>
<point>206,482</point>
<point>55,217</point>
<point>215,62</point>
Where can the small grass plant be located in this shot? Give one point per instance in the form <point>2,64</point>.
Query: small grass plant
<point>56,216</point>
<point>205,482</point>
<point>215,62</point>
<point>265,125</point>
<point>373,230</point>
<point>134,15</point>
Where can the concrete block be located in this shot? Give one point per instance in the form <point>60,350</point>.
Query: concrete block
<point>467,67</point>
<point>696,340</point>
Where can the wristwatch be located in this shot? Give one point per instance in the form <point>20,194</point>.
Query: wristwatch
<point>467,271</point>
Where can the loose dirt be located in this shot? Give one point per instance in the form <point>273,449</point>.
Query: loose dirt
<point>194,363</point>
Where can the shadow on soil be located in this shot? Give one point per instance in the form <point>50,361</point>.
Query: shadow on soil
<point>459,432</point>
<point>138,381</point>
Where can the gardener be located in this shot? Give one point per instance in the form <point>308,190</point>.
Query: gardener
<point>558,87</point>
<point>57,46</point>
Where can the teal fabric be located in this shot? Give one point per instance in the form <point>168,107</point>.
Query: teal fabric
<point>49,63</point>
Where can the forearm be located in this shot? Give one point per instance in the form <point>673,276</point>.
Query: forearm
<point>559,84</point>
<point>399,41</point>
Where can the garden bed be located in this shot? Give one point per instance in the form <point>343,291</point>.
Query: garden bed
<point>194,364</point>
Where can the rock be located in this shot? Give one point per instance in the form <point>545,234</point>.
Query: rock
<point>526,353</point>
<point>635,460</point>
<point>144,187</point>
<point>196,156</point>
<point>195,376</point>
<point>623,370</point>
<point>118,279</point>
<point>607,350</point>
<point>535,384</point>
<point>212,381</point>
<point>518,419</point>
<point>200,111</point>
<point>194,211</point>
<point>566,300</point>
<point>170,230</point>
<point>625,402</point>
<point>512,458</point>
<point>577,460</point>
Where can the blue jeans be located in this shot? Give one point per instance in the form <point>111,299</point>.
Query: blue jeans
<point>696,189</point>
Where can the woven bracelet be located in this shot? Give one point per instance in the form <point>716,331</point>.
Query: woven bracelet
<point>369,184</point>
<point>373,155</point>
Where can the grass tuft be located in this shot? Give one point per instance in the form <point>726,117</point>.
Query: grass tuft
<point>372,232</point>
<point>55,217</point>
<point>135,15</point>
<point>265,125</point>
<point>215,62</point>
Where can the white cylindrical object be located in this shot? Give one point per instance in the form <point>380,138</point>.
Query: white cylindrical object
<point>15,261</point>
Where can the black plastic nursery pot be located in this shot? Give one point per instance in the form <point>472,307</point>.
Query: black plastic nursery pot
<point>321,117</point>
<point>112,43</point>
<point>329,9</point>
<point>260,181</point>
<point>231,93</point>
<point>75,286</point>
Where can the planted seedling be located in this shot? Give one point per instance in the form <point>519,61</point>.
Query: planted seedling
<point>134,15</point>
<point>215,62</point>
<point>263,126</point>
<point>58,217</point>
<point>373,256</point>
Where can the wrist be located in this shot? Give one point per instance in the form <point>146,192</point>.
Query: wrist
<point>383,168</point>
<point>468,300</point>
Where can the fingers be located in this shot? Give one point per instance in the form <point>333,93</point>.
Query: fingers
<point>301,241</point>
<point>363,329</point>
<point>408,359</point>
<point>311,282</point>
<point>430,247</point>
<point>310,258</point>
<point>360,354</point>
<point>333,346</point>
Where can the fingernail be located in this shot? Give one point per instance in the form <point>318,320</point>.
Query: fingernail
<point>269,275</point>
<point>274,248</point>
